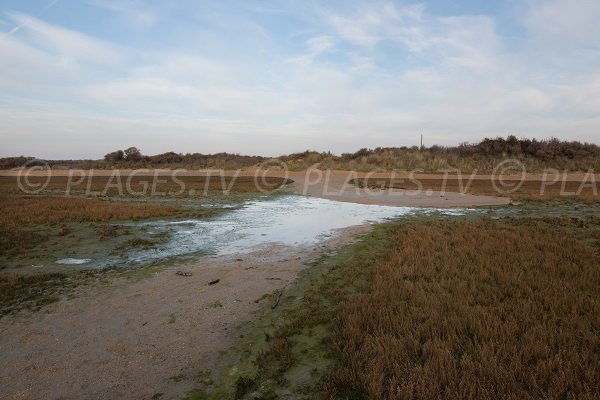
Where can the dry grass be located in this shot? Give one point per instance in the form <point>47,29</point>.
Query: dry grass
<point>146,185</point>
<point>529,190</point>
<point>22,214</point>
<point>482,310</point>
<point>36,210</point>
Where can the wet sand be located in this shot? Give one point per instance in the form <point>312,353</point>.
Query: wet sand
<point>135,340</point>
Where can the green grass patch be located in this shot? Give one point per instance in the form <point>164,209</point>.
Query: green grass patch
<point>30,292</point>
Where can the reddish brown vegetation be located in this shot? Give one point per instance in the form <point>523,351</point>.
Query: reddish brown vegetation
<point>35,210</point>
<point>481,310</point>
<point>21,214</point>
<point>144,185</point>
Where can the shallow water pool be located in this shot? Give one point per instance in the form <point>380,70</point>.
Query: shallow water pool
<point>287,220</point>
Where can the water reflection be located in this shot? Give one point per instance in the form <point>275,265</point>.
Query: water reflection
<point>289,220</point>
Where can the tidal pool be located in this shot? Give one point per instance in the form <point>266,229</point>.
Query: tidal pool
<point>288,220</point>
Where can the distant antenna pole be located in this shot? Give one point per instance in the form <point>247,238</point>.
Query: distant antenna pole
<point>421,141</point>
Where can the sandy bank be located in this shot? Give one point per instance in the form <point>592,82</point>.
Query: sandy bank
<point>133,340</point>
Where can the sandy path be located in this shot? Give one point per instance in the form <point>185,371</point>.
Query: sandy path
<point>134,340</point>
<point>333,185</point>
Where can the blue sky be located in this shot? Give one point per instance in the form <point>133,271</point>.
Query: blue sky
<point>82,78</point>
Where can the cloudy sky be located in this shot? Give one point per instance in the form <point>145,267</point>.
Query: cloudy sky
<point>82,78</point>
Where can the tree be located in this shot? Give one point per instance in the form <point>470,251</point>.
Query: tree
<point>133,154</point>
<point>115,156</point>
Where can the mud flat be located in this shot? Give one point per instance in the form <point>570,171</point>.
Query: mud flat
<point>149,337</point>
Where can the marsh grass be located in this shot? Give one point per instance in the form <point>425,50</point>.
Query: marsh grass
<point>22,214</point>
<point>28,221</point>
<point>138,185</point>
<point>36,210</point>
<point>30,292</point>
<point>484,310</point>
<point>106,231</point>
<point>432,308</point>
<point>22,217</point>
<point>15,240</point>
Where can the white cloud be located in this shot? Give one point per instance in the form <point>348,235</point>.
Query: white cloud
<point>369,26</point>
<point>27,70</point>
<point>568,23</point>
<point>315,46</point>
<point>354,31</point>
<point>372,75</point>
<point>68,43</point>
<point>133,11</point>
<point>320,44</point>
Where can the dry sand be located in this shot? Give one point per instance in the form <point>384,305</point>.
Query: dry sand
<point>333,185</point>
<point>135,340</point>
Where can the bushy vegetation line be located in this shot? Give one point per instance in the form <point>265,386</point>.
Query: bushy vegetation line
<point>535,154</point>
<point>133,158</point>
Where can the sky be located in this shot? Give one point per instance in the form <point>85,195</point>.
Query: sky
<point>79,79</point>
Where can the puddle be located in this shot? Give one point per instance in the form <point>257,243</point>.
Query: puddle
<point>287,220</point>
<point>73,261</point>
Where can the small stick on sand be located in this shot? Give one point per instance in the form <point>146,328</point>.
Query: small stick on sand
<point>276,300</point>
<point>279,293</point>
